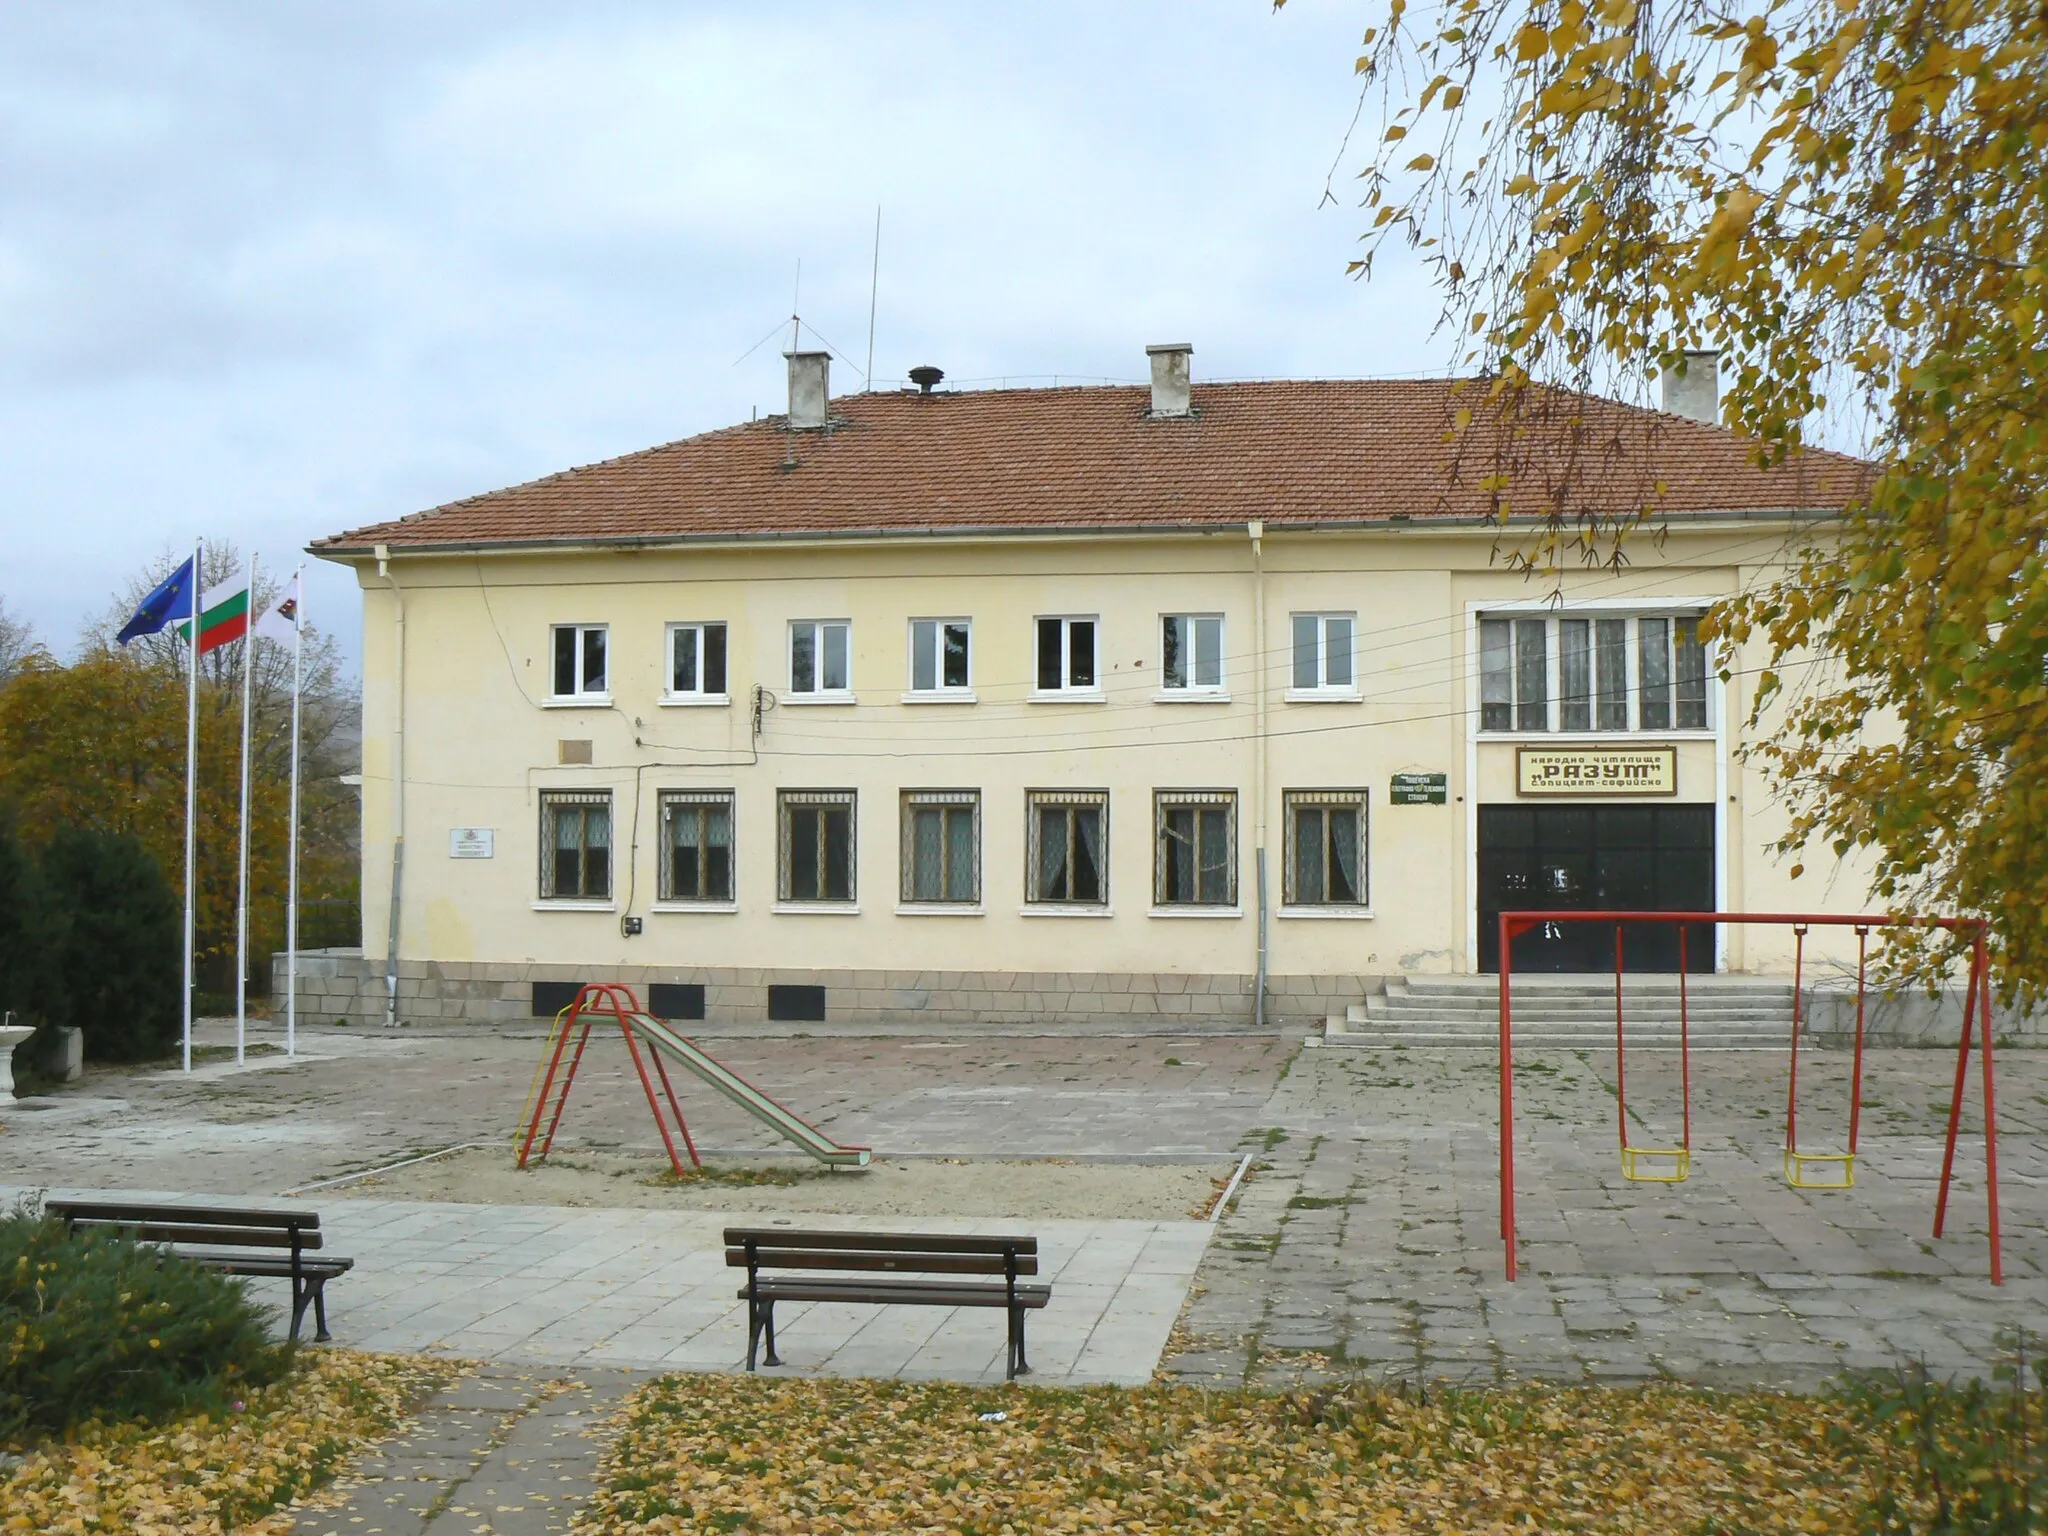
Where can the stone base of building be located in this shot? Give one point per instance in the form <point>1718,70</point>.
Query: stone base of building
<point>344,985</point>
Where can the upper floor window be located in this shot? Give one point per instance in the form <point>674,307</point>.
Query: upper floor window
<point>942,846</point>
<point>696,845</point>
<point>576,845</point>
<point>696,661</point>
<point>1191,652</point>
<point>1066,656</point>
<point>818,657</point>
<point>1600,673</point>
<point>1195,864</point>
<point>1324,654</point>
<point>580,661</point>
<point>939,655</point>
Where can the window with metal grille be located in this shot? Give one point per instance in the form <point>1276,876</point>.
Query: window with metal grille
<point>815,833</point>
<point>696,845</point>
<point>579,671</point>
<point>1323,653</point>
<point>1067,842</point>
<point>1066,656</point>
<point>819,657</point>
<point>1326,832</point>
<point>576,845</point>
<point>942,845</point>
<point>1195,863</point>
<point>1612,674</point>
<point>939,655</point>
<point>696,661</point>
<point>1191,652</point>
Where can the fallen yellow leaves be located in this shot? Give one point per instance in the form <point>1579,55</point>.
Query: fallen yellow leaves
<point>206,1473</point>
<point>714,1453</point>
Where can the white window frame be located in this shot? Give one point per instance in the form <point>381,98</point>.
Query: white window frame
<point>693,632</point>
<point>1322,691</point>
<point>818,694</point>
<point>1166,800</point>
<point>941,691</point>
<point>787,800</point>
<point>1068,692</point>
<point>579,697</point>
<point>665,900</point>
<point>910,801</point>
<point>1035,800</point>
<point>1552,619</point>
<point>552,801</point>
<point>1292,800</point>
<point>1193,691</point>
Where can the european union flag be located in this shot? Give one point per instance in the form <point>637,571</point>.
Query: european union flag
<point>171,600</point>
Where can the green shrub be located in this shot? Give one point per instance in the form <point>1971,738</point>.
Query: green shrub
<point>113,945</point>
<point>21,937</point>
<point>97,1326</point>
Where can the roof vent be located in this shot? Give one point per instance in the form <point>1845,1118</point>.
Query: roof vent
<point>926,378</point>
<point>1172,392</point>
<point>810,388</point>
<point>1693,388</point>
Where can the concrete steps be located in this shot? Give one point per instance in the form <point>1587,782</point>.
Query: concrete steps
<point>1722,1012</point>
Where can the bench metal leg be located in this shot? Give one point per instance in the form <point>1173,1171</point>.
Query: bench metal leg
<point>760,1322</point>
<point>301,1295</point>
<point>1019,1366</point>
<point>320,1335</point>
<point>768,1322</point>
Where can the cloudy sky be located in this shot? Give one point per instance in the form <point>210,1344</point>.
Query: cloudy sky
<point>270,271</point>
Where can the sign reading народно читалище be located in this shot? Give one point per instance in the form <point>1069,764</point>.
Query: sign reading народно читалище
<point>1419,789</point>
<point>1596,771</point>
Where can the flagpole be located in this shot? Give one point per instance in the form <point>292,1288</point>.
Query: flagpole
<point>242,883</point>
<point>191,781</point>
<point>291,915</point>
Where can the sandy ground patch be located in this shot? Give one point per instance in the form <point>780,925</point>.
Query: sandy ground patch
<point>907,1187</point>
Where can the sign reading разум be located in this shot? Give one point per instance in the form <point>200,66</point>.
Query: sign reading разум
<point>1596,771</point>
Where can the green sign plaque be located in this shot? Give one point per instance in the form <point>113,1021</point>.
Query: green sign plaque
<point>1420,789</point>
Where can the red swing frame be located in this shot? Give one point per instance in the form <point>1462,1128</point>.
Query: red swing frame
<point>1976,1006</point>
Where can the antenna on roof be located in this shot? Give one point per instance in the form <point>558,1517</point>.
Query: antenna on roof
<point>867,379</point>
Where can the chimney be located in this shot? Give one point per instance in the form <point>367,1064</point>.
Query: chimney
<point>1693,388</point>
<point>810,388</point>
<point>1170,386</point>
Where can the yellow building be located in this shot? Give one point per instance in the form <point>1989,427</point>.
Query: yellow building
<point>1196,703</point>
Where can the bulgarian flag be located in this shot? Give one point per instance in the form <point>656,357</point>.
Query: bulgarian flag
<point>223,615</point>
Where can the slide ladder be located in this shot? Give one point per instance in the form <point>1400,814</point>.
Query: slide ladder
<point>652,1044</point>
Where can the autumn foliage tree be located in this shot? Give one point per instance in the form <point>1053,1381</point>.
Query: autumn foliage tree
<point>1848,198</point>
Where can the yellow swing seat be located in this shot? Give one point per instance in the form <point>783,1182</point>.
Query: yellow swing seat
<point>1656,1165</point>
<point>1820,1170</point>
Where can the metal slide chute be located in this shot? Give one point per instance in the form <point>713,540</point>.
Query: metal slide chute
<point>652,1044</point>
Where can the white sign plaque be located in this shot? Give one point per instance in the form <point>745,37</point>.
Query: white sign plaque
<point>471,842</point>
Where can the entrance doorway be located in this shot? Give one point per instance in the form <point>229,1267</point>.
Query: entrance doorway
<point>1596,858</point>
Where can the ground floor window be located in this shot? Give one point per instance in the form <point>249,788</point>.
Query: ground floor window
<point>1326,832</point>
<point>816,837</point>
<point>1195,863</point>
<point>696,845</point>
<point>1067,832</point>
<point>942,845</point>
<point>576,845</point>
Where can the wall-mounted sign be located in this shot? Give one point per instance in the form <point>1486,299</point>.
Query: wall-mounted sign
<point>1420,789</point>
<point>1596,771</point>
<point>472,842</point>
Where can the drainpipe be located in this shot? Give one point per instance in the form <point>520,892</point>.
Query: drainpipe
<point>397,788</point>
<point>1257,530</point>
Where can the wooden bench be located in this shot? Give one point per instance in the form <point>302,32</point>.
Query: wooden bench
<point>208,1234</point>
<point>918,1260</point>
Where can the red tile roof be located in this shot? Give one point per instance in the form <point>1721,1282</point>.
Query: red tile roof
<point>1023,460</point>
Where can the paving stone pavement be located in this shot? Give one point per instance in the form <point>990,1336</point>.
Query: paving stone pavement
<point>499,1453</point>
<point>1369,1242</point>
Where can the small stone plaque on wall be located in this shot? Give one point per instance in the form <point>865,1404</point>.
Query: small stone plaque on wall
<point>472,842</point>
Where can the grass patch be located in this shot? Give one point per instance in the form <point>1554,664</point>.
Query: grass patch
<point>222,1470</point>
<point>740,1177</point>
<point>844,1456</point>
